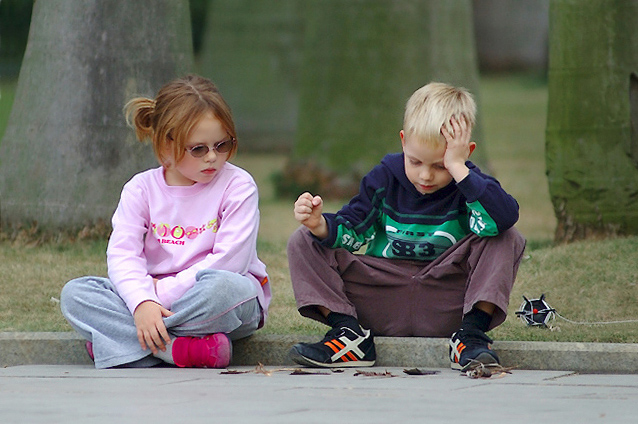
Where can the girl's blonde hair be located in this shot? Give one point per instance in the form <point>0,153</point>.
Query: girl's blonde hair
<point>432,106</point>
<point>169,119</point>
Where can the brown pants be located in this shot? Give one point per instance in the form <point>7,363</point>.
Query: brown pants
<point>404,297</point>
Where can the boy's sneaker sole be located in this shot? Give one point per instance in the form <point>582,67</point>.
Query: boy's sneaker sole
<point>483,359</point>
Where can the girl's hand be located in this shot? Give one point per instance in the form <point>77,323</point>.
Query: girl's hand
<point>151,331</point>
<point>308,211</point>
<point>459,147</point>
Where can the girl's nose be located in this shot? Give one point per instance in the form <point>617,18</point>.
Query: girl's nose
<point>210,156</point>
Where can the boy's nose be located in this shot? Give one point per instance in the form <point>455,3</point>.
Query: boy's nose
<point>426,174</point>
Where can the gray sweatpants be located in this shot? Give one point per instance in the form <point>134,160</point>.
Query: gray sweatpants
<point>219,302</point>
<point>404,297</point>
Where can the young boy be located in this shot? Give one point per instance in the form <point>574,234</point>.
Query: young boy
<point>441,254</point>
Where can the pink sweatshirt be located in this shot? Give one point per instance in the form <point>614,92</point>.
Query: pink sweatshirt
<point>172,232</point>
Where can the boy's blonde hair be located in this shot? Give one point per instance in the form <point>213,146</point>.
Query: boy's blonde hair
<point>169,119</point>
<point>432,106</point>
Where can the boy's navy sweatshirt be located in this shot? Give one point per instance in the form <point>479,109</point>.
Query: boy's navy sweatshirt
<point>394,220</point>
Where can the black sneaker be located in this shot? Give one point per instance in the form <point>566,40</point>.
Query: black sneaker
<point>470,348</point>
<point>341,347</point>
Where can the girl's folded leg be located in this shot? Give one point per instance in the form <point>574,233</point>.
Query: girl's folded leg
<point>94,309</point>
<point>219,302</point>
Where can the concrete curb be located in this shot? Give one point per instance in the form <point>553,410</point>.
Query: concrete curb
<point>67,348</point>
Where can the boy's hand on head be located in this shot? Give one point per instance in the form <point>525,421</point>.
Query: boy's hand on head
<point>308,211</point>
<point>151,331</point>
<point>458,148</point>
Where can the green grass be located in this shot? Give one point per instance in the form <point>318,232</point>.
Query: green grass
<point>590,281</point>
<point>585,281</point>
<point>32,277</point>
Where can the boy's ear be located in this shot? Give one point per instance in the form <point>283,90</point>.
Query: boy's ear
<point>402,135</point>
<point>472,146</point>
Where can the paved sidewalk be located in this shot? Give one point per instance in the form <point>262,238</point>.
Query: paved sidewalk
<point>81,394</point>
<point>48,378</point>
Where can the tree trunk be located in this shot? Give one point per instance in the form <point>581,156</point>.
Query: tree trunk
<point>67,151</point>
<point>592,143</point>
<point>362,61</point>
<point>252,51</point>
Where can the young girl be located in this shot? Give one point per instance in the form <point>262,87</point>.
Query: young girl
<point>184,276</point>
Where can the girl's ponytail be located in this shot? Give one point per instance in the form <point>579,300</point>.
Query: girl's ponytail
<point>139,114</point>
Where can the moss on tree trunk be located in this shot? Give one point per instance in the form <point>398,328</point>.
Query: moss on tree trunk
<point>592,118</point>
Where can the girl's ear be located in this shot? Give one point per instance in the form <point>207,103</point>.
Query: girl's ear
<point>402,135</point>
<point>167,158</point>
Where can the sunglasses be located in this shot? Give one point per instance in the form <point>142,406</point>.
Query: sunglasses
<point>202,150</point>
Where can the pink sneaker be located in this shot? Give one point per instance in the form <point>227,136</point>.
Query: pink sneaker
<point>213,351</point>
<point>89,350</point>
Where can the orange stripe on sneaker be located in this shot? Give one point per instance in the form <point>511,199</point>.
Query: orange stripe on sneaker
<point>333,347</point>
<point>338,343</point>
<point>460,348</point>
<point>351,356</point>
